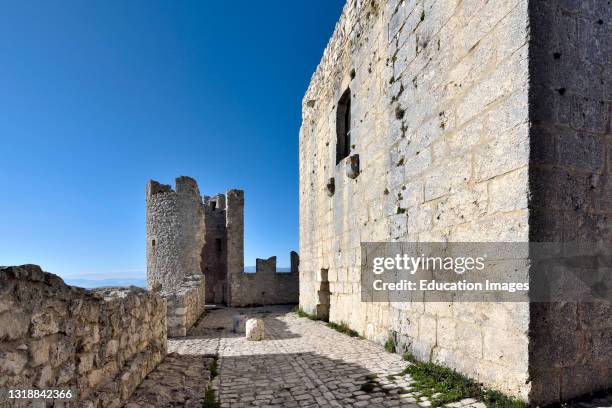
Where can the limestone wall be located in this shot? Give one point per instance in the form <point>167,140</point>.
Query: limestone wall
<point>185,305</point>
<point>266,286</point>
<point>470,121</point>
<point>440,124</point>
<point>101,343</point>
<point>571,184</point>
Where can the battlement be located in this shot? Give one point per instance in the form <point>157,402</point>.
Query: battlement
<point>183,185</point>
<point>266,286</point>
<point>269,265</point>
<point>154,187</point>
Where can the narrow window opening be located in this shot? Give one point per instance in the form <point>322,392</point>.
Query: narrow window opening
<point>343,126</point>
<point>153,243</point>
<point>213,205</point>
<point>219,245</point>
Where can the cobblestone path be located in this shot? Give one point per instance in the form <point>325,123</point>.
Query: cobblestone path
<point>179,381</point>
<point>301,363</point>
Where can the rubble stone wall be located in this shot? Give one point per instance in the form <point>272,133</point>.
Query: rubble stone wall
<point>101,343</point>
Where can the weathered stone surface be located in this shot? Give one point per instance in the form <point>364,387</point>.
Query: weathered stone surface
<point>77,338</point>
<point>180,380</point>
<point>473,121</point>
<point>254,329</point>
<point>266,286</point>
<point>186,303</point>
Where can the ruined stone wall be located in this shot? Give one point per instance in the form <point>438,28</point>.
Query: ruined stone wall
<point>188,236</point>
<point>101,343</point>
<point>186,303</point>
<point>266,286</point>
<point>440,124</point>
<point>571,184</point>
<point>175,232</point>
<point>214,255</point>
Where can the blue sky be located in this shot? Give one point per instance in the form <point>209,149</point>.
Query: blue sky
<point>97,97</point>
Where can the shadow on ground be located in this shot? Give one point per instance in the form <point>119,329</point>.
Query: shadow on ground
<point>179,381</point>
<point>218,323</point>
<point>305,378</point>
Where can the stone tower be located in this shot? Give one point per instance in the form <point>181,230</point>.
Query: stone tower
<point>195,251</point>
<point>175,232</point>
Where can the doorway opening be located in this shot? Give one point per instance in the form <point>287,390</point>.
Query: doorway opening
<point>323,295</point>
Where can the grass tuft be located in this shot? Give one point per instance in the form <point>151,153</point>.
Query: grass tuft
<point>430,379</point>
<point>210,397</point>
<point>214,367</point>
<point>409,357</point>
<point>301,313</point>
<point>390,345</point>
<point>343,328</point>
<point>495,399</point>
<point>450,386</point>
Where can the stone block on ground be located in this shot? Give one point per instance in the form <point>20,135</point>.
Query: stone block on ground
<point>255,329</point>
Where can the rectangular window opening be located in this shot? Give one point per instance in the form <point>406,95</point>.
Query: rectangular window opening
<point>343,126</point>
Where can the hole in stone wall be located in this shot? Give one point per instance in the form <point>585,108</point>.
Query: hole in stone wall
<point>153,243</point>
<point>343,126</point>
<point>219,245</point>
<point>213,205</point>
<point>324,296</point>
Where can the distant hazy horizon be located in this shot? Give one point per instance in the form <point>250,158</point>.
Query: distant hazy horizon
<point>90,283</point>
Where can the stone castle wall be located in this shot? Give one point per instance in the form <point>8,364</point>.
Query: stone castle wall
<point>570,351</point>
<point>441,149</point>
<point>100,343</point>
<point>266,286</point>
<point>439,121</point>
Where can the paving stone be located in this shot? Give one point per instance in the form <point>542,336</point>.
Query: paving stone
<point>299,363</point>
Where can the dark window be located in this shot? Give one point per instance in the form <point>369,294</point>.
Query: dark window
<point>153,243</point>
<point>219,244</point>
<point>343,126</point>
<point>213,204</point>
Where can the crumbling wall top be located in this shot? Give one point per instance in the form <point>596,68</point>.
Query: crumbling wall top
<point>184,185</point>
<point>344,30</point>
